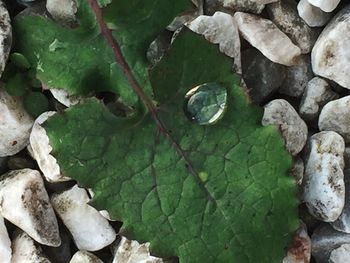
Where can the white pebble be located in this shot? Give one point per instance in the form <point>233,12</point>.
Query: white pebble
<point>25,202</point>
<point>340,254</point>
<point>325,5</point>
<point>62,10</point>
<point>5,36</point>
<point>335,116</point>
<point>265,36</point>
<point>330,55</point>
<point>25,250</point>
<point>312,15</point>
<point>324,187</point>
<point>221,28</point>
<point>317,93</point>
<point>5,243</point>
<point>131,251</point>
<point>15,125</point>
<point>294,130</point>
<point>85,257</point>
<point>72,206</point>
<point>41,148</point>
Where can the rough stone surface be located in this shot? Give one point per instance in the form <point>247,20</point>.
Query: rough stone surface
<point>40,145</point>
<point>324,189</point>
<point>340,254</point>
<point>5,36</point>
<point>285,15</point>
<point>72,206</point>
<point>297,77</point>
<point>297,170</point>
<point>85,257</point>
<point>221,28</point>
<point>25,203</point>
<point>63,97</point>
<point>15,125</point>
<point>317,93</point>
<point>330,55</point>
<point>312,15</point>
<point>5,243</point>
<point>343,221</point>
<point>62,10</point>
<point>294,130</point>
<point>325,5</point>
<point>265,36</point>
<point>25,250</point>
<point>335,116</point>
<point>324,240</point>
<point>300,249</point>
<point>254,6</point>
<point>261,75</point>
<point>130,251</point>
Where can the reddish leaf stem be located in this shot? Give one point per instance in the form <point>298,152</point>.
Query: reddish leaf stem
<point>107,33</point>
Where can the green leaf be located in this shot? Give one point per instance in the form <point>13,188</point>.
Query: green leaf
<point>17,85</point>
<point>35,103</point>
<point>79,60</point>
<point>204,193</point>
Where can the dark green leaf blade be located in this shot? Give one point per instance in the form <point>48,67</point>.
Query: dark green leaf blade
<point>79,60</point>
<point>218,193</point>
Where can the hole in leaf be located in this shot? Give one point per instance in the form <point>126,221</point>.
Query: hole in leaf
<point>205,104</point>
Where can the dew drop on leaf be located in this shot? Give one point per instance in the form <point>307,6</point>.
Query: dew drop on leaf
<point>206,103</point>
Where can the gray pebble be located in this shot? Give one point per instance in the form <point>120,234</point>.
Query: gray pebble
<point>340,254</point>
<point>297,77</point>
<point>317,93</point>
<point>343,222</point>
<point>335,116</point>
<point>294,130</point>
<point>285,15</point>
<point>323,185</point>
<point>261,75</point>
<point>324,240</point>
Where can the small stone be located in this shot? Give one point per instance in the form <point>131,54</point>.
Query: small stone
<point>261,75</point>
<point>15,125</point>
<point>285,15</point>
<point>317,93</point>
<point>297,171</point>
<point>186,17</point>
<point>254,6</point>
<point>85,257</point>
<point>312,15</point>
<point>343,222</point>
<point>5,37</point>
<point>61,254</point>
<point>221,28</point>
<point>259,32</point>
<point>64,97</point>
<point>5,243</point>
<point>72,206</point>
<point>340,254</point>
<point>324,240</point>
<point>297,77</point>
<point>158,47</point>
<point>25,250</point>
<point>335,116</point>
<point>25,203</point>
<point>324,189</point>
<point>300,249</point>
<point>294,130</point>
<point>330,55</point>
<point>40,145</point>
<point>325,5</point>
<point>62,10</point>
<point>130,251</point>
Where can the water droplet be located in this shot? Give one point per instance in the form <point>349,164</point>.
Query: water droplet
<point>206,103</point>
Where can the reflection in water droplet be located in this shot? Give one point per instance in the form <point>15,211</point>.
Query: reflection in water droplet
<point>206,103</point>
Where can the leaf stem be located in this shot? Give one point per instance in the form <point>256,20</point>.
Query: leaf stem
<point>107,33</point>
